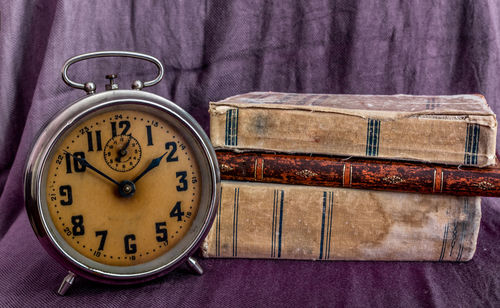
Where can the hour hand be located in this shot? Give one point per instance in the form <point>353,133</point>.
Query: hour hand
<point>85,163</point>
<point>123,151</point>
<point>154,163</point>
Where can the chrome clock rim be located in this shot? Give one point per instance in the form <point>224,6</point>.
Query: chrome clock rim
<point>69,118</point>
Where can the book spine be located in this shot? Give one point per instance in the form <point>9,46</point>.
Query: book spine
<point>359,173</point>
<point>454,141</point>
<point>274,221</point>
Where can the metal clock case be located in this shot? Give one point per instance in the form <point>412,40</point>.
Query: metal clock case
<point>121,187</point>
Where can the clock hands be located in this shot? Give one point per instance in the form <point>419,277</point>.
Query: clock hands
<point>154,163</point>
<point>123,151</point>
<point>85,163</point>
<point>125,188</point>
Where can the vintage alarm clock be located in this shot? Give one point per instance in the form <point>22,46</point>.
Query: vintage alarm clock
<point>121,186</point>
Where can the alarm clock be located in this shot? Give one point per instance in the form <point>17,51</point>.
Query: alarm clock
<point>121,186</point>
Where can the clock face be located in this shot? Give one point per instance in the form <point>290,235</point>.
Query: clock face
<point>122,187</point>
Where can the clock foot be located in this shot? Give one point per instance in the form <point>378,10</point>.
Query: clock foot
<point>195,266</point>
<point>66,283</point>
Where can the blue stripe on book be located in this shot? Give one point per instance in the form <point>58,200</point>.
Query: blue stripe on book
<point>330,210</point>
<point>322,227</point>
<point>277,224</point>
<point>235,221</point>
<point>231,126</point>
<point>226,136</point>
<point>368,138</point>
<point>471,144</point>
<point>234,130</point>
<point>454,235</point>
<point>445,239</point>
<point>468,142</point>
<point>461,247</point>
<point>273,230</point>
<point>475,145</point>
<point>231,136</point>
<point>372,137</point>
<point>281,224</point>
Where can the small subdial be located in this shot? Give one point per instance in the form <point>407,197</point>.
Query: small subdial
<point>122,153</point>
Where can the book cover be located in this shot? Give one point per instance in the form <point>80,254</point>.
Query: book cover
<point>275,221</point>
<point>457,130</point>
<point>361,173</point>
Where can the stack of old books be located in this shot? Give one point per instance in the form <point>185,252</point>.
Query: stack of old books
<point>351,177</point>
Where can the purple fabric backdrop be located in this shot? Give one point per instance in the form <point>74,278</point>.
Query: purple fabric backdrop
<point>215,49</point>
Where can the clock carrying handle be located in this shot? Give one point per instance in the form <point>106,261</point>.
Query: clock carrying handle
<point>89,87</point>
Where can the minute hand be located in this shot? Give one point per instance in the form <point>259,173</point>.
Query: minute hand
<point>85,163</point>
<point>154,163</point>
<point>123,150</point>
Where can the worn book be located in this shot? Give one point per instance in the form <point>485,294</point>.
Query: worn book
<point>275,221</point>
<point>362,173</point>
<point>456,130</point>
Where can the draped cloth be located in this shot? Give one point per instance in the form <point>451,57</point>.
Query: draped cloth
<point>215,49</point>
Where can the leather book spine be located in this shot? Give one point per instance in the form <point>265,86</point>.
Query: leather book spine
<point>359,173</point>
<point>275,221</point>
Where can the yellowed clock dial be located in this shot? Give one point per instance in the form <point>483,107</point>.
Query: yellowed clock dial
<point>154,210</point>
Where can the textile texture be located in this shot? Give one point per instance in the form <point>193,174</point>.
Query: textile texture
<point>215,49</point>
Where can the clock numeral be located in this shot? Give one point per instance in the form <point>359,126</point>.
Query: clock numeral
<point>97,140</point>
<point>122,124</point>
<point>67,231</point>
<point>84,129</point>
<point>194,180</point>
<point>78,228</point>
<point>150,135</point>
<point>182,181</point>
<point>170,156</point>
<point>103,234</point>
<point>59,159</point>
<point>77,166</point>
<point>130,246</point>
<point>177,211</point>
<point>161,230</point>
<point>65,191</point>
